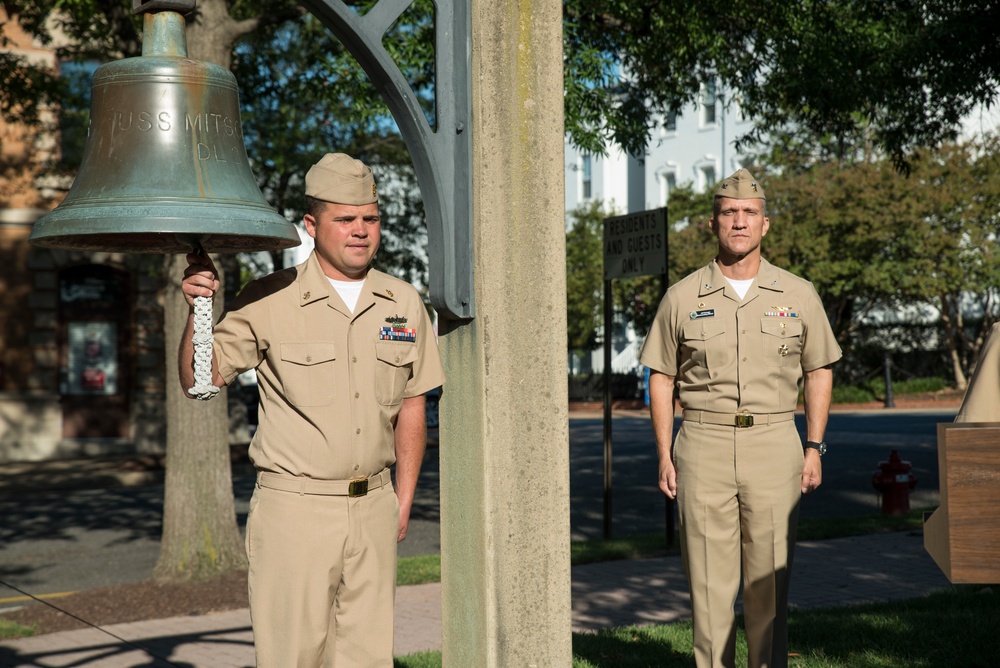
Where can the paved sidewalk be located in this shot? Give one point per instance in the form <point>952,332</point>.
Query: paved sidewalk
<point>650,591</point>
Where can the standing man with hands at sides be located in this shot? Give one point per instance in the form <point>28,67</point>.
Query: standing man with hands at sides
<point>734,338</point>
<point>344,354</point>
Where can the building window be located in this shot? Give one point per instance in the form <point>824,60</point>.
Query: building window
<point>586,184</point>
<point>668,182</point>
<point>74,111</point>
<point>670,122</point>
<point>708,178</point>
<point>709,102</point>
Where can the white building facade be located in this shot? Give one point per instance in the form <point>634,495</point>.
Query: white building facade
<point>695,148</point>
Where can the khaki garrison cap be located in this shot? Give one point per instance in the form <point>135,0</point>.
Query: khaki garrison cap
<point>741,185</point>
<point>341,179</point>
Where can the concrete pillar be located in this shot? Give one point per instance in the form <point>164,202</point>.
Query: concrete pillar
<point>504,430</point>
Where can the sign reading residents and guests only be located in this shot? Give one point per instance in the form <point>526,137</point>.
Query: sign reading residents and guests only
<point>635,244</point>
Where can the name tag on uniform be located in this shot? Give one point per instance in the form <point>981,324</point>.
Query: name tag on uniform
<point>704,313</point>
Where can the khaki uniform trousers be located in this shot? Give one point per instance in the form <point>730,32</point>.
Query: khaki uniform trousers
<point>322,578</point>
<point>738,492</point>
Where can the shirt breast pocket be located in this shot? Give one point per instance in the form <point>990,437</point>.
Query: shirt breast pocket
<point>782,341</point>
<point>706,342</point>
<point>393,369</point>
<point>307,372</point>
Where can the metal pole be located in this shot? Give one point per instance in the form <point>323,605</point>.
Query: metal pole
<point>608,323</point>
<point>722,125</point>
<point>889,402</point>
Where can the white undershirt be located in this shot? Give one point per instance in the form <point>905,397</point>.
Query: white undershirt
<point>349,291</point>
<point>741,287</point>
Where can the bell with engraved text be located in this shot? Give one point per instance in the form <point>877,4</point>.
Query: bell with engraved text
<point>165,167</point>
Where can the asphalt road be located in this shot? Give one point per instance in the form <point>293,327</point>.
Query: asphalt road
<point>68,541</point>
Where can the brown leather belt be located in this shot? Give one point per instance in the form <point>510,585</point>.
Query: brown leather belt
<point>302,485</point>
<point>739,420</point>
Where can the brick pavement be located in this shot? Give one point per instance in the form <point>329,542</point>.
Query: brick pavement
<point>836,572</point>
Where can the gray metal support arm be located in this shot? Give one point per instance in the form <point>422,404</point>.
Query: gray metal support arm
<point>442,156</point>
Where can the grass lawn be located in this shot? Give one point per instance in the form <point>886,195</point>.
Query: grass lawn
<point>630,642</point>
<point>956,628</point>
<point>427,568</point>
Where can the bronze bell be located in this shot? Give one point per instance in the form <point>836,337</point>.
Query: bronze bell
<point>165,167</point>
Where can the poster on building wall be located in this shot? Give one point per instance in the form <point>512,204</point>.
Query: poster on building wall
<point>93,358</point>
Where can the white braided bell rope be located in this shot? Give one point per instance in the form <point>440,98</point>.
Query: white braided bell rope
<point>203,388</point>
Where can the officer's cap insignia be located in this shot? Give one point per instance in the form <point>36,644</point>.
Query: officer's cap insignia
<point>741,184</point>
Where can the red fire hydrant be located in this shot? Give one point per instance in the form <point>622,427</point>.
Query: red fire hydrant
<point>893,481</point>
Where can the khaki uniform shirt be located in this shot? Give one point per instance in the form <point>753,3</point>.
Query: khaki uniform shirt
<point>331,382</point>
<point>729,355</point>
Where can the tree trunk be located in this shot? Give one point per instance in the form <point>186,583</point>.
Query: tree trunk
<point>951,337</point>
<point>212,32</point>
<point>200,535</point>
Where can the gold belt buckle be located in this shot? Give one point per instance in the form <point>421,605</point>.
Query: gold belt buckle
<point>744,420</point>
<point>357,487</point>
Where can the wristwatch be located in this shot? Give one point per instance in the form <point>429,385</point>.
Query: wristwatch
<point>819,447</point>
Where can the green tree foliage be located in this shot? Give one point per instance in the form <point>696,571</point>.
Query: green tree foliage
<point>303,95</point>
<point>92,29</point>
<point>295,126</point>
<point>892,74</point>
<point>875,241</point>
<point>691,242</point>
<point>897,73</point>
<point>690,245</point>
<point>585,276</point>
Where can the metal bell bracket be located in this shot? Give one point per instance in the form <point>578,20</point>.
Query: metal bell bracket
<point>203,338</point>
